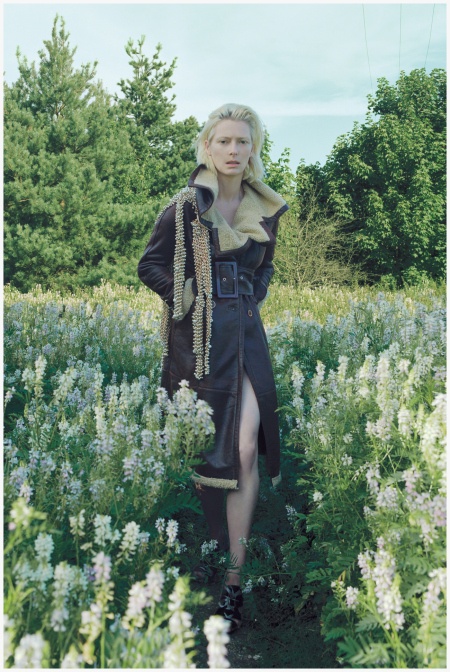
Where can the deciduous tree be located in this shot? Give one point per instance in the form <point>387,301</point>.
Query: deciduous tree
<point>387,179</point>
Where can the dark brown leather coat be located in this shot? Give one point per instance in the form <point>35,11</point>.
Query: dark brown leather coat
<point>238,338</point>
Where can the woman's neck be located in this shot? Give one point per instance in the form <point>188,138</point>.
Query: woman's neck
<point>230,189</point>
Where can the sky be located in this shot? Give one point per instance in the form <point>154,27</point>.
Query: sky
<point>305,68</point>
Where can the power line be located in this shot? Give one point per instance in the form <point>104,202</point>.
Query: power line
<point>400,44</point>
<point>429,39</point>
<point>367,48</point>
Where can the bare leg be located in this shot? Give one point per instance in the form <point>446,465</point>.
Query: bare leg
<point>241,503</point>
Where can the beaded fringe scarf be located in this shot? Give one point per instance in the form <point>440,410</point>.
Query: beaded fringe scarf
<point>202,263</point>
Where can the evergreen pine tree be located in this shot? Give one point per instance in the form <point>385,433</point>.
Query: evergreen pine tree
<point>65,160</point>
<point>162,147</point>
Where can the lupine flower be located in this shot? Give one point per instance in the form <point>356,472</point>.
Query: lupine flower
<point>39,368</point>
<point>411,476</point>
<point>18,477</point>
<point>154,584</point>
<point>297,378</point>
<point>431,599</point>
<point>364,562</point>
<point>319,377</point>
<point>351,597</point>
<point>179,627</point>
<point>64,578</point>
<point>388,498</point>
<point>389,601</point>
<point>72,659</point>
<point>9,395</point>
<point>58,619</point>
<point>103,532</point>
<point>44,547</point>
<point>172,531</point>
<point>8,634</point>
<point>209,547</point>
<point>403,365</point>
<point>160,525</point>
<point>130,538</point>
<point>91,623</point>
<point>248,587</point>
<point>132,466</point>
<point>30,651</point>
<point>404,422</point>
<point>291,512</point>
<point>137,602</point>
<point>372,476</point>
<point>143,540</point>
<point>77,524</point>
<point>28,379</point>
<point>102,567</point>
<point>66,381</point>
<point>179,622</point>
<point>216,630</point>
<point>175,657</point>
<point>26,491</point>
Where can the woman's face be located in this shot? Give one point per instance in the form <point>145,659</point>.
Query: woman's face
<point>231,147</point>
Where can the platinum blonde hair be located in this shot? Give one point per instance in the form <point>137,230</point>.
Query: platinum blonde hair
<point>255,168</point>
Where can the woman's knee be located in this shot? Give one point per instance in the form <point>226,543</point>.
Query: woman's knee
<point>249,426</point>
<point>248,457</point>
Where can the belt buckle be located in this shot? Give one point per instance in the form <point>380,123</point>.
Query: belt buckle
<point>220,293</point>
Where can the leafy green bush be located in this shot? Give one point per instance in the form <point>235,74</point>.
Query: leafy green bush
<point>386,179</point>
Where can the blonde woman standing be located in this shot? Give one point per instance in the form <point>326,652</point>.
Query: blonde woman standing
<point>210,259</point>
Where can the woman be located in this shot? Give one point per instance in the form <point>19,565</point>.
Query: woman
<point>210,260</point>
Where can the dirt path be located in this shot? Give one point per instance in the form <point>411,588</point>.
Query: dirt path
<point>250,647</point>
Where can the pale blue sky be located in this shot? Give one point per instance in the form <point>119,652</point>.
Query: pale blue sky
<point>302,67</point>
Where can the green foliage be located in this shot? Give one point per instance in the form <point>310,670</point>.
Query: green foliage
<point>312,249</point>
<point>163,149</point>
<point>84,178</point>
<point>387,179</point>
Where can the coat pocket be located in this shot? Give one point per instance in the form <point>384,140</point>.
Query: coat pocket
<point>188,298</point>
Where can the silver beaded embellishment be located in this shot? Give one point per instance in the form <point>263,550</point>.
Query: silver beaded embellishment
<point>202,263</point>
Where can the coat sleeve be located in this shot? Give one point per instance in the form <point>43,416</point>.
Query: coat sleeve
<point>264,272</point>
<point>155,268</point>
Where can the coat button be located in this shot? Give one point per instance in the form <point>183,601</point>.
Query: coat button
<point>250,313</point>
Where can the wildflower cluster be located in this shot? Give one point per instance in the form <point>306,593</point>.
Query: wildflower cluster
<point>94,444</point>
<point>373,436</point>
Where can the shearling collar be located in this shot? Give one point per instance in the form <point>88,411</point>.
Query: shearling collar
<point>260,203</point>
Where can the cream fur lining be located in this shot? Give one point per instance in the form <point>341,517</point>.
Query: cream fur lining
<point>259,201</point>
<point>188,297</point>
<point>276,480</point>
<point>223,483</point>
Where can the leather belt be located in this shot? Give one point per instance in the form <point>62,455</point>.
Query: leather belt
<point>230,280</point>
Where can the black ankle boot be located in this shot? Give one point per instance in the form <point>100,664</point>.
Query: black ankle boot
<point>230,605</point>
